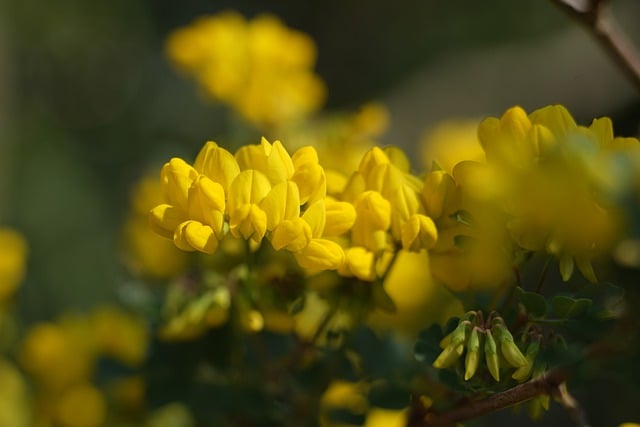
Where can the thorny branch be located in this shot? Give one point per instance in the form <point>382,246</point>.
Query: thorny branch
<point>551,383</point>
<point>596,16</point>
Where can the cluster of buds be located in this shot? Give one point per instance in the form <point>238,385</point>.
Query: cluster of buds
<point>491,337</point>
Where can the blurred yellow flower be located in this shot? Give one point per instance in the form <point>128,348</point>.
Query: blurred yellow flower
<point>146,253</point>
<point>420,300</point>
<point>13,254</point>
<point>259,67</point>
<point>450,142</point>
<point>260,192</point>
<point>80,406</point>
<point>377,417</point>
<point>558,182</point>
<point>14,397</point>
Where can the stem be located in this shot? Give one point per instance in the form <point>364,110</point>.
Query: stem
<point>543,274</point>
<point>548,383</point>
<point>597,18</point>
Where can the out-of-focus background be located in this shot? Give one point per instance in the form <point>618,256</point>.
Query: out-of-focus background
<point>89,102</point>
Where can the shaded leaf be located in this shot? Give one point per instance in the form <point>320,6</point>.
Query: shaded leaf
<point>534,303</point>
<point>566,307</point>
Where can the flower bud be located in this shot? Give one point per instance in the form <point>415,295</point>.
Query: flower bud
<point>473,354</point>
<point>491,355</point>
<point>509,349</point>
<point>449,356</point>
<point>523,373</point>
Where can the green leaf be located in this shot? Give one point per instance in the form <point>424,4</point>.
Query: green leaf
<point>565,307</point>
<point>534,303</point>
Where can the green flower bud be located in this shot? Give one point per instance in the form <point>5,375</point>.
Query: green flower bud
<point>491,355</point>
<point>449,356</point>
<point>509,349</point>
<point>460,333</point>
<point>473,354</point>
<point>522,373</point>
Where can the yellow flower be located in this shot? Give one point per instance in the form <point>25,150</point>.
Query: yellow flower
<point>120,335</point>
<point>419,232</point>
<point>58,354</point>
<point>146,252</point>
<point>13,254</point>
<point>260,68</point>
<point>558,182</point>
<point>451,142</point>
<point>81,406</point>
<point>246,219</point>
<point>14,398</point>
<point>262,192</point>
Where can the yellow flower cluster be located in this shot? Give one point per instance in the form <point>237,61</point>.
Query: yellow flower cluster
<point>391,213</point>
<point>147,254</point>
<point>260,192</point>
<point>261,68</point>
<point>263,192</point>
<point>547,185</point>
<point>557,181</point>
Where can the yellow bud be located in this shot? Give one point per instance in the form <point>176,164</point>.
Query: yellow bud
<point>438,190</point>
<point>375,209</point>
<point>206,203</point>
<point>419,232</point>
<point>281,203</point>
<point>294,235</point>
<point>340,217</point>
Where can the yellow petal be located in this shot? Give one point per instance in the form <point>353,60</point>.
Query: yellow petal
<point>316,217</point>
<point>293,235</point>
<point>176,178</point>
<point>321,254</point>
<point>164,219</point>
<point>206,203</point>
<point>360,263</point>
<point>281,203</point>
<point>196,236</point>
<point>438,193</point>
<point>419,232</point>
<point>340,217</point>
<point>218,164</point>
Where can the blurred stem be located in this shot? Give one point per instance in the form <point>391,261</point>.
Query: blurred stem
<point>596,16</point>
<point>571,405</point>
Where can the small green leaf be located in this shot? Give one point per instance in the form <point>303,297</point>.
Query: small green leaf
<point>533,302</point>
<point>566,307</point>
<point>462,217</point>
